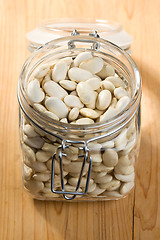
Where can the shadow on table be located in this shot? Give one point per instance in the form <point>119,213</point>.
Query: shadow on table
<point>146,193</point>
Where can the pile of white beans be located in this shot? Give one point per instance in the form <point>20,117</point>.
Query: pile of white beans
<point>80,90</point>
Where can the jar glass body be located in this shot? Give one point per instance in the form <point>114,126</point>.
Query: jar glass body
<point>54,153</point>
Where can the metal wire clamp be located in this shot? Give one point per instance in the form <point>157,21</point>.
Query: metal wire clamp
<point>95,45</point>
<point>61,149</point>
<point>59,156</point>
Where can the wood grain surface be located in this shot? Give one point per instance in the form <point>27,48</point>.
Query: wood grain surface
<point>135,217</point>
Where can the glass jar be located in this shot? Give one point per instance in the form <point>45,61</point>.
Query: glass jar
<point>52,29</point>
<point>89,162</point>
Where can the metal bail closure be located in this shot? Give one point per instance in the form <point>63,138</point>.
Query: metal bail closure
<point>58,156</point>
<point>95,44</point>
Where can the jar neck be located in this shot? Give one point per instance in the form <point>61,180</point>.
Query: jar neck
<point>63,129</point>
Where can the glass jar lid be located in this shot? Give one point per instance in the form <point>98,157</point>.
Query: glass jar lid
<point>52,29</point>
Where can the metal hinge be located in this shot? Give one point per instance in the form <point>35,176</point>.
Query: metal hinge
<point>95,45</point>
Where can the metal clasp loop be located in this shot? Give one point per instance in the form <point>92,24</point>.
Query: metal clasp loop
<point>59,156</point>
<point>95,44</point>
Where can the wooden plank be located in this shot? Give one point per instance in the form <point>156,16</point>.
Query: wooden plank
<point>147,212</point>
<point>24,218</point>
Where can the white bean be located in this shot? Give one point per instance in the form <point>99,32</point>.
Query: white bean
<point>64,120</point>
<point>107,85</point>
<point>54,90</point>
<point>110,158</point>
<point>72,155</point>
<point>96,158</point>
<point>120,92</point>
<point>85,94</point>
<point>46,190</point>
<point>96,175</point>
<point>103,180</point>
<point>47,78</point>
<point>38,166</point>
<point>49,148</point>
<point>42,177</point>
<point>73,114</point>
<point>79,75</point>
<point>51,115</point>
<point>84,121</point>
<point>56,106</point>
<point>130,145</point>
<point>73,101</point>
<point>67,60</point>
<point>57,182</point>
<point>131,129</point>
<point>70,188</point>
<point>107,144</point>
<point>122,103</point>
<point>82,57</point>
<point>75,175</point>
<point>29,152</point>
<point>27,172</point>
<point>36,142</point>
<point>43,156</point>
<point>59,71</point>
<point>93,65</point>
<point>72,149</point>
<point>117,81</point>
<point>113,185</point>
<point>75,167</point>
<point>92,103</point>
<point>112,194</point>
<point>34,92</point>
<point>41,71</point>
<point>34,186</point>
<point>126,170</point>
<point>40,107</point>
<point>91,187</point>
<point>66,160</point>
<point>124,160</point>
<point>94,83</point>
<point>121,141</point>
<point>94,146</point>
<point>68,84</point>
<point>125,178</point>
<point>126,187</point>
<point>113,102</point>
<point>90,113</point>
<point>56,167</point>
<point>103,100</point>
<point>106,71</point>
<point>97,191</point>
<point>102,168</point>
<point>29,131</point>
<point>110,113</point>
<point>74,181</point>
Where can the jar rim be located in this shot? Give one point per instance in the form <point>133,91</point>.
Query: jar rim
<point>134,103</point>
<point>50,29</point>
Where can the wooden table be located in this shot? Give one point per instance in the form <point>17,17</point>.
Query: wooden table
<point>135,217</point>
